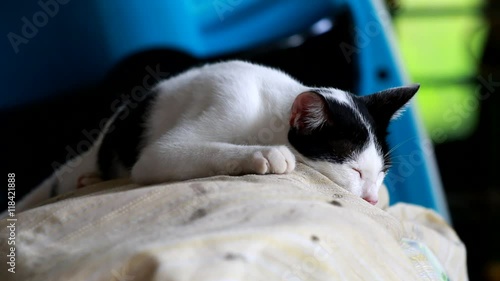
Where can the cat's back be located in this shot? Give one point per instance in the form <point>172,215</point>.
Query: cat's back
<point>235,82</point>
<point>223,76</point>
<point>225,92</point>
<point>235,68</point>
<point>226,83</point>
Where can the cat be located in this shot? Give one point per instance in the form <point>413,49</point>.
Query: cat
<point>236,118</point>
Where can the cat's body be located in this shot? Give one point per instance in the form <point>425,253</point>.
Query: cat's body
<point>235,118</point>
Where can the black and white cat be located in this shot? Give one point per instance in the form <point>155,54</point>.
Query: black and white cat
<point>235,118</point>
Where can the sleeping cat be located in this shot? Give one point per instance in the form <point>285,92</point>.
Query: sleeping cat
<point>236,118</point>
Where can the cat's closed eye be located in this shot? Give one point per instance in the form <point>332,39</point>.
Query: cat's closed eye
<point>358,171</point>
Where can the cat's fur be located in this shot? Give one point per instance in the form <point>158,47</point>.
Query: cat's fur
<point>235,118</point>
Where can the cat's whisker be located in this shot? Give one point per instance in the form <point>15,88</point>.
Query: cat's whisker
<point>396,156</point>
<point>399,145</point>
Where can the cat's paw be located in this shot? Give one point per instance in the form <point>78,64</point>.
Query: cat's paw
<point>273,160</point>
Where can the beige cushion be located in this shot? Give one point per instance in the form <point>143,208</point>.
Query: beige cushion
<point>274,227</point>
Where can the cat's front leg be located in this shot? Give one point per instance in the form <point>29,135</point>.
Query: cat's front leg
<point>162,162</point>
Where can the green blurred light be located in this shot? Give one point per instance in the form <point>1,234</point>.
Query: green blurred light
<point>439,47</point>
<point>439,52</point>
<point>412,4</point>
<point>449,112</point>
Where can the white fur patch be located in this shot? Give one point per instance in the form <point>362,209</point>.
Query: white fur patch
<point>339,95</point>
<point>370,161</point>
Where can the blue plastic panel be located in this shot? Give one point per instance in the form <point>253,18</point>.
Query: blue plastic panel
<point>414,176</point>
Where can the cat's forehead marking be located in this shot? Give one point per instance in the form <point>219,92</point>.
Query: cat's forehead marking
<point>370,158</point>
<point>337,95</point>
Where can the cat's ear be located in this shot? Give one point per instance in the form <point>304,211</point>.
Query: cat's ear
<point>389,104</point>
<point>309,112</point>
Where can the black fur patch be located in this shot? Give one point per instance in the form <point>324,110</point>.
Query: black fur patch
<point>121,144</point>
<point>338,140</point>
<point>344,135</point>
<point>378,127</point>
<point>379,109</point>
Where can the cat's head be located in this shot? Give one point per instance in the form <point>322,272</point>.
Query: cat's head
<point>344,136</point>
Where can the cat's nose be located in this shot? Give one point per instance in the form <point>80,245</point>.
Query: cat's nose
<point>371,200</point>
